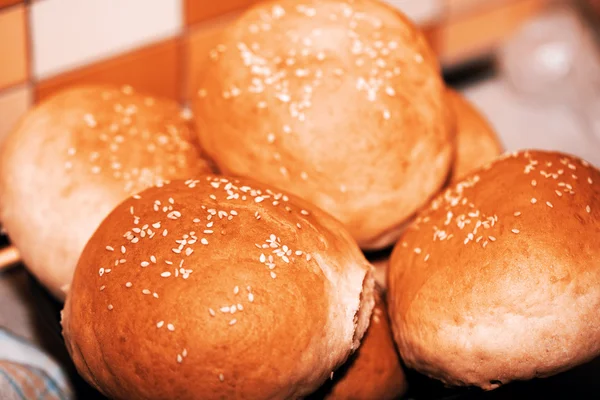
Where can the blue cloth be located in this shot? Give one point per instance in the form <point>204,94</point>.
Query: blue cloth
<point>27,373</point>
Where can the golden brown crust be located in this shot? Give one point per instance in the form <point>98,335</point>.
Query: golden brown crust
<point>476,141</point>
<point>374,372</point>
<point>76,156</point>
<point>339,102</point>
<point>499,279</point>
<point>265,293</point>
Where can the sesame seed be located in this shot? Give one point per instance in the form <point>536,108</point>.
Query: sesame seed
<point>188,251</point>
<point>236,290</point>
<point>109,248</point>
<point>165,274</point>
<point>558,193</point>
<point>517,213</point>
<point>123,249</point>
<point>533,200</point>
<point>588,209</point>
<point>273,275</point>
<point>102,287</point>
<point>170,327</point>
<point>534,183</point>
<point>179,358</point>
<point>298,225</point>
<point>417,250</point>
<point>221,377</point>
<point>304,212</point>
<point>426,258</point>
<point>160,324</point>
<point>212,312</point>
<point>250,297</point>
<point>232,322</point>
<point>110,307</point>
<point>492,238</point>
<point>515,231</point>
<point>128,284</point>
<point>145,291</point>
<point>589,180</point>
<point>144,264</point>
<point>204,241</point>
<point>155,295</point>
<point>549,204</point>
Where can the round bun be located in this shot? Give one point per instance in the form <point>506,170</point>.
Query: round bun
<point>499,279</point>
<point>374,371</point>
<point>341,103</point>
<point>76,156</point>
<point>218,287</point>
<point>476,141</point>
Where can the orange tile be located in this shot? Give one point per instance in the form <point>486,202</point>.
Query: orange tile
<point>462,7</point>
<point>6,3</point>
<point>153,69</point>
<point>198,43</point>
<point>13,46</point>
<point>13,104</point>
<point>477,33</point>
<point>200,10</point>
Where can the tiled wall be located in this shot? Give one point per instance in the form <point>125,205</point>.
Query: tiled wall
<point>156,45</point>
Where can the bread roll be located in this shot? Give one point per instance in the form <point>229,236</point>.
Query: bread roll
<point>499,279</point>
<point>374,371</point>
<point>216,288</point>
<point>77,155</point>
<point>341,103</point>
<point>476,141</point>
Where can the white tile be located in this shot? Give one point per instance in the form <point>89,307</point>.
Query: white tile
<point>420,12</point>
<point>70,33</point>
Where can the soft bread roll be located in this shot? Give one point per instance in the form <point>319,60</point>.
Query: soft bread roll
<point>374,371</point>
<point>499,279</point>
<point>218,289</point>
<point>476,141</point>
<point>339,102</point>
<point>76,156</point>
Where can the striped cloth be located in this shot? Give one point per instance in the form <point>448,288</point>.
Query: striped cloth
<point>27,373</point>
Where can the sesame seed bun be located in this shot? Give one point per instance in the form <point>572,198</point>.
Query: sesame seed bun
<point>340,103</point>
<point>239,292</point>
<point>499,279</point>
<point>476,141</point>
<point>374,371</point>
<point>77,155</point>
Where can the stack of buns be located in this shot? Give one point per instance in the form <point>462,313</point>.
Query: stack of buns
<point>219,256</point>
